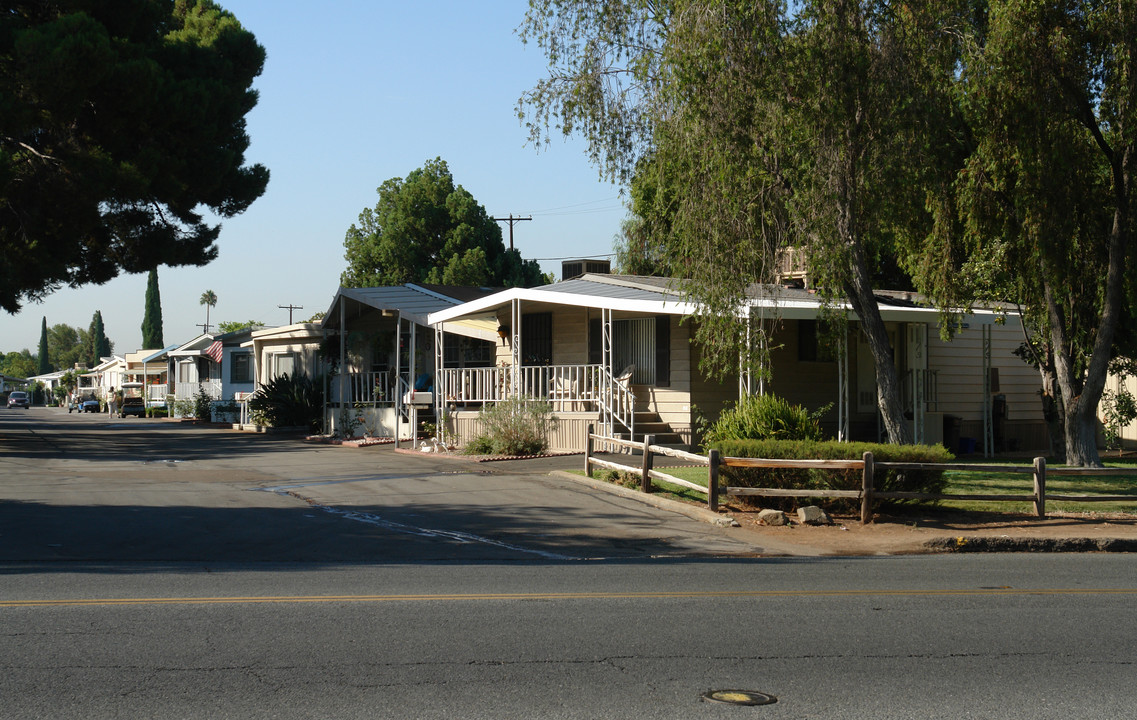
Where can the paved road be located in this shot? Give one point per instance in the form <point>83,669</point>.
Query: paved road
<point>90,487</point>
<point>132,585</point>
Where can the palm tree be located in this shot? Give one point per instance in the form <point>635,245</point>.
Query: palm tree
<point>208,299</point>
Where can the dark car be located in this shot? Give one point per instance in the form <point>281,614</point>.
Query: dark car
<point>132,406</point>
<point>90,405</point>
<point>18,398</point>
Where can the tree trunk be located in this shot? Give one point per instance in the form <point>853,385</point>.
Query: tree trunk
<point>864,304</point>
<point>1053,411</point>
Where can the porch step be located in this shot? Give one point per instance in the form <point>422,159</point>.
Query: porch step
<point>650,423</point>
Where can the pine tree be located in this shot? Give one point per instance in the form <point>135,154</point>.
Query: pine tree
<point>44,362</point>
<point>152,320</point>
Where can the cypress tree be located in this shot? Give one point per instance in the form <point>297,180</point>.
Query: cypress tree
<point>44,362</point>
<point>98,345</point>
<point>152,319</point>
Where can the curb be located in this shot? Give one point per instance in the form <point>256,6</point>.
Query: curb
<point>1033,545</point>
<point>695,513</point>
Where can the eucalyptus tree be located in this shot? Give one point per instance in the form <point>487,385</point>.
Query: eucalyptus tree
<point>772,125</point>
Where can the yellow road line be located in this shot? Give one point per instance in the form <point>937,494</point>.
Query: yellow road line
<point>755,594</point>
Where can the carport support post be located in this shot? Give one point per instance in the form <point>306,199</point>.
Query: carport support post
<point>866,489</point>
<point>588,450</point>
<point>713,481</point>
<point>645,476</point>
<point>1040,486</point>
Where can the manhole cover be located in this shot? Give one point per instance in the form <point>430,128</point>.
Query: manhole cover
<point>739,697</point>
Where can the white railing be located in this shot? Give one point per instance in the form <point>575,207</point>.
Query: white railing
<point>155,393</point>
<point>186,390</point>
<point>617,404</point>
<point>475,386</point>
<point>370,388</point>
<point>568,388</point>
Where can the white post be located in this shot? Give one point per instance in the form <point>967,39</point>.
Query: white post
<point>398,390</point>
<point>343,364</point>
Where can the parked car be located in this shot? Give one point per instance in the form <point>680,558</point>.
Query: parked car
<point>132,406</point>
<point>18,398</point>
<point>90,405</point>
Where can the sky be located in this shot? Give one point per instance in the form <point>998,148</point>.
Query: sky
<point>352,94</point>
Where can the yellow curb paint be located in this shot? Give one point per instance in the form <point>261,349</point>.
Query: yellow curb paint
<point>493,597</point>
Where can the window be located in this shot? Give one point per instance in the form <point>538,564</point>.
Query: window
<point>241,368</point>
<point>283,364</point>
<point>537,339</point>
<point>809,349</point>
<point>185,374</point>
<point>644,342</point>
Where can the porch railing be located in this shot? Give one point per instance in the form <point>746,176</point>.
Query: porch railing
<point>186,390</point>
<point>567,388</point>
<point>370,388</point>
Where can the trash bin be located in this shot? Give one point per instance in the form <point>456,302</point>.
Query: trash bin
<point>967,446</point>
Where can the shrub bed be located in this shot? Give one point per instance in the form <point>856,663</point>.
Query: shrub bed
<point>925,481</point>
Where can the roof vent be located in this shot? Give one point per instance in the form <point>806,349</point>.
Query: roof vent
<point>575,268</point>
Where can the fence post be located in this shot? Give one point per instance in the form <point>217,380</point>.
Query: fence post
<point>588,450</point>
<point>645,478</point>
<point>713,481</point>
<point>866,490</point>
<point>1040,486</point>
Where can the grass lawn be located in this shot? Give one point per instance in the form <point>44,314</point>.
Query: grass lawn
<point>958,483</point>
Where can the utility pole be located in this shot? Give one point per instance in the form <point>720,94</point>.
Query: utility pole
<point>290,308</point>
<point>512,220</point>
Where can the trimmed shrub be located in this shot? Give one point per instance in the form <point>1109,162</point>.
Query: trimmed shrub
<point>765,417</point>
<point>518,426</point>
<point>925,481</point>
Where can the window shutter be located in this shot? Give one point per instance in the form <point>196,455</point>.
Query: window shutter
<point>663,350</point>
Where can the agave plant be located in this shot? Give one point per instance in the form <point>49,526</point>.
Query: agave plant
<point>289,401</point>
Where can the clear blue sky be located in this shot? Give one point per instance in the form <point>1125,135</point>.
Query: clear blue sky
<point>354,93</point>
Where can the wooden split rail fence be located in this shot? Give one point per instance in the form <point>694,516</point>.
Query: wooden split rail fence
<point>868,467</point>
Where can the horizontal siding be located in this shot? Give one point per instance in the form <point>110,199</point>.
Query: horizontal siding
<point>960,374</point>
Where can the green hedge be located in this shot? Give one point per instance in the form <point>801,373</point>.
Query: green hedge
<point>925,481</point>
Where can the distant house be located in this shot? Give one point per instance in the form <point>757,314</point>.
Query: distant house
<point>384,355</point>
<point>617,352</point>
<point>216,365</point>
<point>10,382</point>
<point>286,350</point>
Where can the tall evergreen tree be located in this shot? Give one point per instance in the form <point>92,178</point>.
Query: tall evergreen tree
<point>98,344</point>
<point>152,319</point>
<point>44,362</point>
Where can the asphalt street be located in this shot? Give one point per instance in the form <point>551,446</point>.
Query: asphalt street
<point>152,569</point>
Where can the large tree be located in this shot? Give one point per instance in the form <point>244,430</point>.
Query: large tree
<point>66,346</point>
<point>1049,91</point>
<point>152,317</point>
<point>119,121</point>
<point>766,125</point>
<point>424,228</point>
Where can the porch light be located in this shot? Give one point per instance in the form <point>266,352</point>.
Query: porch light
<point>503,332</point>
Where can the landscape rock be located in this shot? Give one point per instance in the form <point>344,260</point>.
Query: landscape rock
<point>812,515</point>
<point>772,517</point>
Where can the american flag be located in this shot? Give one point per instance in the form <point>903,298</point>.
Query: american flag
<point>214,351</point>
